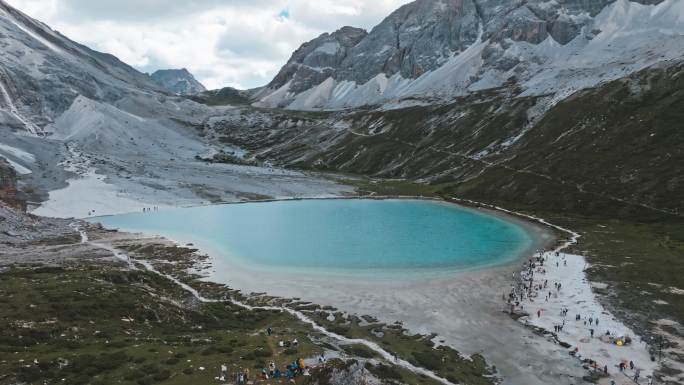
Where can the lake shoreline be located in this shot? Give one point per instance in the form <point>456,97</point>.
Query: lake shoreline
<point>463,309</point>
<point>542,237</point>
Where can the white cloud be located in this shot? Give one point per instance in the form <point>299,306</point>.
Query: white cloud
<point>239,43</point>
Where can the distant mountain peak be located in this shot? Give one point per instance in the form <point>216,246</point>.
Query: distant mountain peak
<point>178,81</point>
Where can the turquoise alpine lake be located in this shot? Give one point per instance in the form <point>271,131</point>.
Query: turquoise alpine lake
<point>339,236</point>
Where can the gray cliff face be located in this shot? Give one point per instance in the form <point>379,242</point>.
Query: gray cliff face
<point>414,39</point>
<point>179,82</point>
<point>8,178</point>
<point>8,184</point>
<point>317,59</point>
<point>421,36</point>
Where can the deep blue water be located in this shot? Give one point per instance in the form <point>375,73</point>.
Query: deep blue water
<point>352,236</point>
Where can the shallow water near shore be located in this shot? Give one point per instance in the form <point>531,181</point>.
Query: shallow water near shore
<point>341,236</point>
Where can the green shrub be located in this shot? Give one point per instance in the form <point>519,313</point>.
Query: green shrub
<point>162,376</point>
<point>428,359</point>
<point>359,351</point>
<point>385,372</point>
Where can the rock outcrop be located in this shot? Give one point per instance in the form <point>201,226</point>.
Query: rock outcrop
<point>414,39</point>
<point>317,59</point>
<point>8,184</point>
<point>179,82</point>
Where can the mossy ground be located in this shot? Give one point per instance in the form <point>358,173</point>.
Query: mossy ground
<point>419,350</point>
<point>101,324</point>
<point>92,325</point>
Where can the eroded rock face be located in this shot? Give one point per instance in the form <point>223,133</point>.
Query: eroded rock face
<point>8,183</point>
<point>179,82</point>
<point>414,39</point>
<point>317,59</point>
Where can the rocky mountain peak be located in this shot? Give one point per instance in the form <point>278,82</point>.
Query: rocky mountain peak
<point>414,39</point>
<point>317,59</point>
<point>178,81</point>
<point>443,48</point>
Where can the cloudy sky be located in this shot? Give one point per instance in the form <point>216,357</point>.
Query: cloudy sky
<point>238,43</point>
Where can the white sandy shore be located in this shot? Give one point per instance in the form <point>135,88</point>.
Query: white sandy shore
<point>576,295</point>
<point>90,194</point>
<point>86,194</point>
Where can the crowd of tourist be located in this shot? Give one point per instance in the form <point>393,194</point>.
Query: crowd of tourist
<point>531,286</point>
<point>272,373</point>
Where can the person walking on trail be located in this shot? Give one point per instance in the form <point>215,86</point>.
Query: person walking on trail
<point>269,331</point>
<point>631,365</point>
<point>591,331</point>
